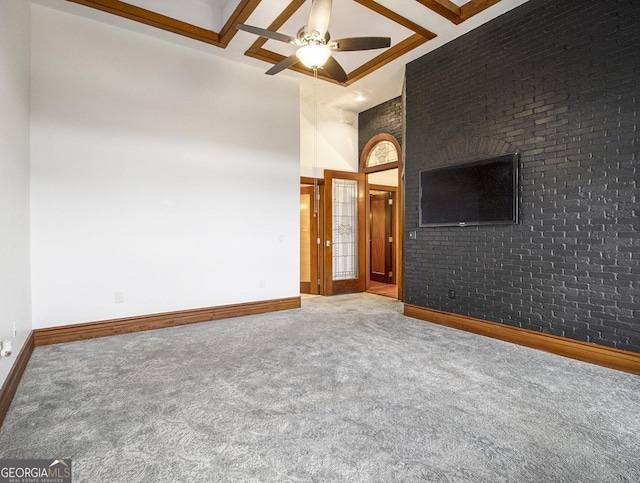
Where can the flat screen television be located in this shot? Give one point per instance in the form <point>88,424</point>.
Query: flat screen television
<point>479,193</point>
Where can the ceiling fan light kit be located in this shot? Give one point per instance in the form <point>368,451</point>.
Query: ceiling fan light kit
<point>315,45</point>
<point>313,55</point>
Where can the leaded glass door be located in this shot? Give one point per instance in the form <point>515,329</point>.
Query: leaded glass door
<point>344,232</point>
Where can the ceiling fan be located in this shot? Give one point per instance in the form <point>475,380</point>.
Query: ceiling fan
<point>315,45</point>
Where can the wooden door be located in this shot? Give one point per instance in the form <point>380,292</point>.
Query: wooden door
<point>309,281</point>
<point>380,262</point>
<point>344,232</point>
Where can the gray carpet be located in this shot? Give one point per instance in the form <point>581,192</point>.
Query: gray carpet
<point>344,389</point>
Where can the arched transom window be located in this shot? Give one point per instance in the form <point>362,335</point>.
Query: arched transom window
<point>383,152</point>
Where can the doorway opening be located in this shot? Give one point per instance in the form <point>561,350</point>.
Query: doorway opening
<point>333,233</point>
<point>311,235</point>
<point>382,256</point>
<point>382,164</point>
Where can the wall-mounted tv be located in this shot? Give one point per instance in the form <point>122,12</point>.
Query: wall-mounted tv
<point>479,193</point>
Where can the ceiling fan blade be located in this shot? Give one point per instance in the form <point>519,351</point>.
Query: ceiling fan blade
<point>335,70</point>
<point>360,43</point>
<point>266,33</point>
<point>283,64</point>
<point>319,18</point>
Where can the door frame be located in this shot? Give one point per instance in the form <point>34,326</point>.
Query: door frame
<point>394,228</point>
<point>319,182</point>
<point>312,287</point>
<point>399,212</point>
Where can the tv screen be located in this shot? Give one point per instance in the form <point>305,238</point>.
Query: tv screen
<point>479,193</point>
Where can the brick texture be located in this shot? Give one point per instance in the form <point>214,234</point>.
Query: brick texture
<point>386,118</point>
<point>559,82</point>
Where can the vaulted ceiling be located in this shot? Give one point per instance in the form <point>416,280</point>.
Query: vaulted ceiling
<point>414,26</point>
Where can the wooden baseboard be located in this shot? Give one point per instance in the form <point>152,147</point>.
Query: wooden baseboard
<point>105,328</point>
<point>583,351</point>
<point>12,381</point>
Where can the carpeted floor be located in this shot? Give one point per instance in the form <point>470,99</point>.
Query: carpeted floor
<point>344,389</point>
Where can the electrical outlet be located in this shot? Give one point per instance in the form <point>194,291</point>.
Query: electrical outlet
<point>119,297</point>
<point>413,235</point>
<point>452,293</point>
<point>15,332</point>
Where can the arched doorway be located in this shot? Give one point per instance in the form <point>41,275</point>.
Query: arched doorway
<point>381,161</point>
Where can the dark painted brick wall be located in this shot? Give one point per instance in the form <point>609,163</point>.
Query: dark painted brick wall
<point>386,118</point>
<point>559,82</point>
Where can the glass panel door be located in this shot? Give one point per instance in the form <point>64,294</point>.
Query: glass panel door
<point>344,232</point>
<point>345,229</point>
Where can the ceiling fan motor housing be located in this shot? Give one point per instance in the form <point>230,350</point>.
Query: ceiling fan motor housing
<point>306,37</point>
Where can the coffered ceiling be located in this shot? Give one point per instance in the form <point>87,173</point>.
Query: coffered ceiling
<point>414,26</point>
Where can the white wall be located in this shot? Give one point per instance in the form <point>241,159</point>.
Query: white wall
<point>337,133</point>
<point>14,176</point>
<point>158,171</point>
